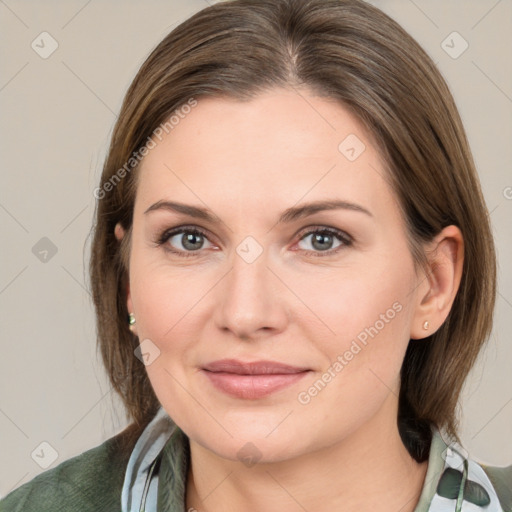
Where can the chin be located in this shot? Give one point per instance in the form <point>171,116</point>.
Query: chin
<point>252,440</point>
<point>249,450</point>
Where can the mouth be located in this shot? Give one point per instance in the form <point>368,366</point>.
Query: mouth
<point>252,380</point>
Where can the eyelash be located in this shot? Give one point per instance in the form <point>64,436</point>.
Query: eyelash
<point>346,240</point>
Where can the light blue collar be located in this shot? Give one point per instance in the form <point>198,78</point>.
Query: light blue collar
<point>141,480</point>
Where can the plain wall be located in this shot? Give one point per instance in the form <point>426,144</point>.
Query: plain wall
<point>57,116</point>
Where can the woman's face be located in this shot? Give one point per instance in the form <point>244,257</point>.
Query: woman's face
<point>329,293</point>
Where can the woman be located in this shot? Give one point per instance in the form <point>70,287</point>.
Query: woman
<point>293,273</point>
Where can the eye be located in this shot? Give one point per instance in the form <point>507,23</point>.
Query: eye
<point>191,240</point>
<point>323,239</point>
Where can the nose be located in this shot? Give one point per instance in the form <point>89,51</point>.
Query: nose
<point>250,300</point>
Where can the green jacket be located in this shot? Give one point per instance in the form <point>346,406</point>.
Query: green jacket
<point>93,481</point>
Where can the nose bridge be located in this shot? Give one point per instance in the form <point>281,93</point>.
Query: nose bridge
<point>248,302</point>
<point>250,274</point>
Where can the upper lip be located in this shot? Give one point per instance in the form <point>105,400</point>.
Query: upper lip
<point>251,368</point>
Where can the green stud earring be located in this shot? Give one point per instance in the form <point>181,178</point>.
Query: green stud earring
<point>131,321</point>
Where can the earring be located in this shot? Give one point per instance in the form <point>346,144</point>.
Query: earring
<point>131,321</point>
<point>426,325</point>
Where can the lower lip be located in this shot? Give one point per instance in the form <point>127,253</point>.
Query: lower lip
<point>252,386</point>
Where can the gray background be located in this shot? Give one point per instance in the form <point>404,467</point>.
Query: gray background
<point>57,116</point>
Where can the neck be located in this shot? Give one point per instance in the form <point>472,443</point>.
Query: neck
<point>369,470</point>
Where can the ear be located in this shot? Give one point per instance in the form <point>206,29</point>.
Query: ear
<point>119,233</point>
<point>438,286</point>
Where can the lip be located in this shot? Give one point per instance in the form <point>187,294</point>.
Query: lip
<point>252,380</point>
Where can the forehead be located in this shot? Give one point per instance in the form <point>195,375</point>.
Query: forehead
<point>274,150</point>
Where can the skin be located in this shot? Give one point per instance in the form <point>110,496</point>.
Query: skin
<point>248,162</point>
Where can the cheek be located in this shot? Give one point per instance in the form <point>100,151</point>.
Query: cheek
<point>173,308</point>
<point>167,305</point>
<point>369,319</point>
<point>362,360</point>
<point>163,294</point>
<point>350,305</point>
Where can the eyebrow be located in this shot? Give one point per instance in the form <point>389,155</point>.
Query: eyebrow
<point>289,215</point>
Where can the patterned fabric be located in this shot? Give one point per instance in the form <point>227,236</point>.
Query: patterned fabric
<point>464,486</point>
<point>141,479</point>
<point>158,467</point>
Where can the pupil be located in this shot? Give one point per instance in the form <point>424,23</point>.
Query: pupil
<point>189,241</point>
<point>322,239</point>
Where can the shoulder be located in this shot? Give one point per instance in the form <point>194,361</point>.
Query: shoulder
<point>501,479</point>
<point>90,481</point>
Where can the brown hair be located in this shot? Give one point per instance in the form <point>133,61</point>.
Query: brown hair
<point>351,52</point>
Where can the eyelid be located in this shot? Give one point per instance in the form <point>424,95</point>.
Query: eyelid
<point>314,228</point>
<point>167,233</point>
